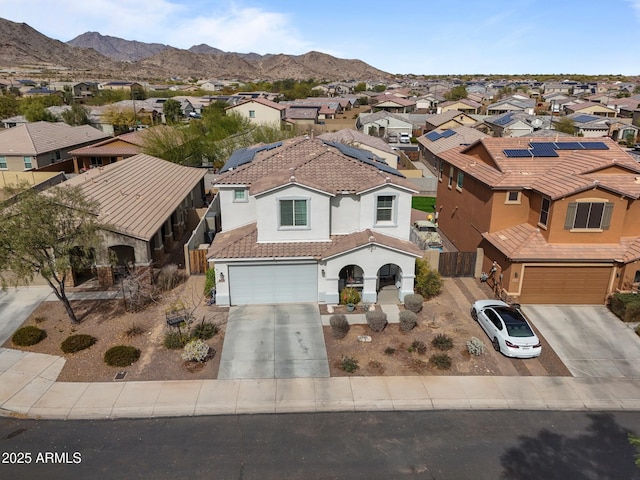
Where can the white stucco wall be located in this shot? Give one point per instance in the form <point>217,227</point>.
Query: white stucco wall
<point>400,226</point>
<point>236,213</point>
<point>370,260</point>
<point>345,214</point>
<point>263,114</point>
<point>268,215</point>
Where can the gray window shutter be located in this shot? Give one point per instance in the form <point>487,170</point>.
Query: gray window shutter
<point>571,215</point>
<point>606,216</point>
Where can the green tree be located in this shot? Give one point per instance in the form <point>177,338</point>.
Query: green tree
<point>379,88</point>
<point>428,282</point>
<point>76,115</point>
<point>8,106</point>
<point>35,108</point>
<point>43,233</point>
<point>565,125</point>
<point>122,119</point>
<point>172,110</point>
<point>456,93</point>
<point>360,87</point>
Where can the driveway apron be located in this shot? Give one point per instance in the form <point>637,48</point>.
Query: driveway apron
<point>589,339</point>
<point>274,341</point>
<point>16,304</point>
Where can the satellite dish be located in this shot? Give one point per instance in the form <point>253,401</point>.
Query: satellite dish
<point>536,123</point>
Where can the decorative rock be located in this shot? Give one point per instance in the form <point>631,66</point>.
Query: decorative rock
<point>330,308</point>
<point>364,338</point>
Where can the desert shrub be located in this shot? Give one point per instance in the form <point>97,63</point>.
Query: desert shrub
<point>441,361</point>
<point>75,343</point>
<point>376,319</point>
<point>389,351</point>
<point>169,277</point>
<point>40,319</point>
<point>417,365</point>
<point>27,336</point>
<point>413,302</point>
<point>133,331</point>
<point>428,282</point>
<point>349,364</point>
<point>339,325</point>
<point>442,342</point>
<point>204,330</point>
<point>637,330</point>
<point>209,281</point>
<point>476,347</point>
<point>121,356</point>
<point>408,320</point>
<point>376,367</point>
<point>195,351</point>
<point>626,306</point>
<point>175,340</point>
<point>349,295</point>
<point>418,346</point>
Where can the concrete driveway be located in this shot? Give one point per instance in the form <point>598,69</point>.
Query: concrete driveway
<point>590,340</point>
<point>16,304</point>
<point>274,341</point>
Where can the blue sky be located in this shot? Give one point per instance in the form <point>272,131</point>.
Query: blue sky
<point>429,37</point>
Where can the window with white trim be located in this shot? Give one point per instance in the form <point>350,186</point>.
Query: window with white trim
<point>3,163</point>
<point>450,176</point>
<point>384,208</point>
<point>27,163</point>
<point>294,213</point>
<point>239,195</point>
<point>544,211</point>
<point>513,197</point>
<point>252,114</point>
<point>440,169</point>
<point>460,180</point>
<point>588,216</point>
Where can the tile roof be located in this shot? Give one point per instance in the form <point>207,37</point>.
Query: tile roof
<point>41,137</point>
<point>441,118</point>
<point>354,137</point>
<point>313,163</point>
<point>113,146</point>
<point>242,242</point>
<point>463,136</point>
<point>524,242</point>
<point>262,101</point>
<point>139,193</point>
<point>571,172</point>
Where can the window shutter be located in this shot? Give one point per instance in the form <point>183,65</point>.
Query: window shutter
<point>606,216</point>
<point>571,215</point>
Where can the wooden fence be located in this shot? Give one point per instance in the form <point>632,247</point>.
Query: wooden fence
<point>198,262</point>
<point>457,264</point>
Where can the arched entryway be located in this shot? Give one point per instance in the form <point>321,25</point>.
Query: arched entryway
<point>83,264</point>
<point>122,257</point>
<point>351,276</point>
<point>389,282</point>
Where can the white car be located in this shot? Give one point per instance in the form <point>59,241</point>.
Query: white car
<point>509,331</point>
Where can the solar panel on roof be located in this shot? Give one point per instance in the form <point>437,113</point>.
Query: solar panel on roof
<point>365,157</point>
<point>517,153</point>
<point>594,145</point>
<point>568,146</point>
<point>541,144</point>
<point>506,118</point>
<point>448,133</point>
<point>543,152</point>
<point>433,136</point>
<point>246,155</point>
<point>585,118</point>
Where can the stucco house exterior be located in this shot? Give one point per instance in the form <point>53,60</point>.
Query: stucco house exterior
<point>260,111</point>
<point>303,219</point>
<point>146,203</point>
<point>31,146</point>
<point>558,217</point>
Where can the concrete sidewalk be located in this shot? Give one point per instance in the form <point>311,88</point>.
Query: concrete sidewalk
<point>28,387</point>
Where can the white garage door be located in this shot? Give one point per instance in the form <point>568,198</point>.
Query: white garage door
<point>273,284</point>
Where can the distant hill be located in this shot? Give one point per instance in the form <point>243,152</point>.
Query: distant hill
<point>108,57</point>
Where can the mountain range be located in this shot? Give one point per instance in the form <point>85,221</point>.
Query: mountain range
<point>101,56</point>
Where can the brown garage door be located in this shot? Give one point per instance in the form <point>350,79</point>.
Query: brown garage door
<point>573,285</point>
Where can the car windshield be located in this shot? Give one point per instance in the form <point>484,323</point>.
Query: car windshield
<point>516,325</point>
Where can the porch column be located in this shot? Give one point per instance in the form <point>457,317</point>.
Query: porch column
<point>369,291</point>
<point>332,296</point>
<point>406,287</point>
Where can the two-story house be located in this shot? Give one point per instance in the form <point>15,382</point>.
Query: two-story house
<point>303,219</point>
<point>559,218</point>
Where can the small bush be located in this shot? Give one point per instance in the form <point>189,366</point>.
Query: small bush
<point>75,343</point>
<point>27,336</point>
<point>428,282</point>
<point>413,302</point>
<point>169,277</point>
<point>349,295</point>
<point>626,306</point>
<point>417,365</point>
<point>476,347</point>
<point>418,346</point>
<point>175,340</point>
<point>442,342</point>
<point>210,281</point>
<point>376,319</point>
<point>121,356</point>
<point>349,364</point>
<point>389,351</point>
<point>339,325</point>
<point>40,319</point>
<point>408,320</point>
<point>133,331</point>
<point>441,361</point>
<point>205,330</point>
<point>376,367</point>
<point>195,351</point>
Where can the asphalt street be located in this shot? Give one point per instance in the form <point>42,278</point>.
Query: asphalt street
<point>524,445</point>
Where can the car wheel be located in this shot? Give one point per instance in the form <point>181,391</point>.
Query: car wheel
<point>474,314</point>
<point>496,344</point>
